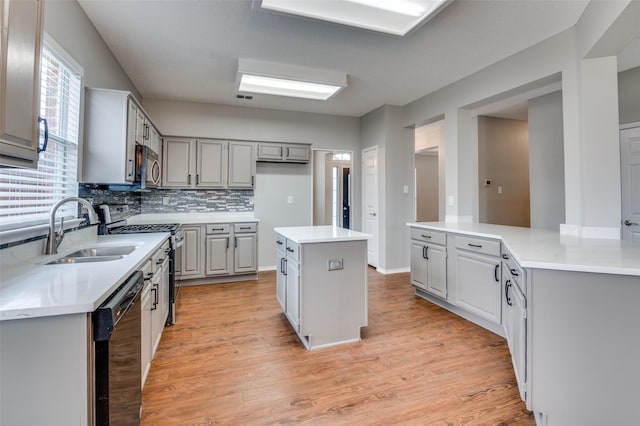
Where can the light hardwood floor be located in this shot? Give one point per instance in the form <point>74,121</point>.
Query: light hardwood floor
<point>233,359</point>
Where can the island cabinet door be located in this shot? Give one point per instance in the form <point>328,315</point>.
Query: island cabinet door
<point>436,270</point>
<point>418,265</point>
<point>293,293</point>
<point>281,283</point>
<point>477,284</point>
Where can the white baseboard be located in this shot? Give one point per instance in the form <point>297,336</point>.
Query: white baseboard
<point>393,271</point>
<point>266,268</point>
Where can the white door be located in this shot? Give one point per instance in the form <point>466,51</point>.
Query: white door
<point>630,171</point>
<point>370,191</point>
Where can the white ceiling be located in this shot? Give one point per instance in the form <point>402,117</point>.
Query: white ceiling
<point>188,50</point>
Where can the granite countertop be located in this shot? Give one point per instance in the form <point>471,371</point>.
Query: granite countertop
<point>34,289</point>
<point>546,249</point>
<point>320,234</point>
<point>193,218</point>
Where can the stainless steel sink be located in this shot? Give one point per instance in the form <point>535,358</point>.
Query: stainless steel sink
<point>103,251</point>
<point>95,254</point>
<point>86,259</point>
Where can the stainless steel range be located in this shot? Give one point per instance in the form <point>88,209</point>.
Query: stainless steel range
<point>119,226</point>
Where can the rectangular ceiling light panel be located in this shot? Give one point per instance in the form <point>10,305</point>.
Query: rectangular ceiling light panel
<point>283,87</point>
<point>256,76</point>
<point>396,17</point>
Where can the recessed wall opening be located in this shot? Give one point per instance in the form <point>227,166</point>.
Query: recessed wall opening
<point>428,172</point>
<point>521,160</point>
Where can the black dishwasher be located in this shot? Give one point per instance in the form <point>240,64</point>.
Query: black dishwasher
<point>117,335</point>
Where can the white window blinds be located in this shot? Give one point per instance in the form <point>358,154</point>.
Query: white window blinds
<point>26,196</point>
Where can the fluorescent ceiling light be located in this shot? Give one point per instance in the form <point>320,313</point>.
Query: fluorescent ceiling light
<point>270,78</point>
<point>396,17</point>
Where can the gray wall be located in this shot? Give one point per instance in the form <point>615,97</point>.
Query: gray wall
<point>67,24</point>
<point>546,161</point>
<point>427,184</point>
<point>274,182</point>
<point>629,95</point>
<point>503,158</point>
<point>383,128</point>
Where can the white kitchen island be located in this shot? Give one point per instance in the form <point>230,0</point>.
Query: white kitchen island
<point>322,283</point>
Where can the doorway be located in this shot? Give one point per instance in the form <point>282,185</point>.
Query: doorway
<point>630,183</point>
<point>332,188</point>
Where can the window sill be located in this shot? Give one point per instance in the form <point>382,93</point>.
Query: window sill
<point>14,237</point>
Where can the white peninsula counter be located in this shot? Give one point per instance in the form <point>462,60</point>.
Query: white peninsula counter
<point>322,283</point>
<point>568,307</point>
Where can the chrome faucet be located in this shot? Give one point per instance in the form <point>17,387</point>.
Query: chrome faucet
<point>55,238</point>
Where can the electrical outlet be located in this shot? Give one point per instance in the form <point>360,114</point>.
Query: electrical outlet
<point>499,190</point>
<point>451,200</point>
<point>290,199</point>
<point>406,189</point>
<point>335,264</point>
<point>165,201</point>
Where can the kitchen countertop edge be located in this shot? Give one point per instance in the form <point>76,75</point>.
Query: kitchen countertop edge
<point>543,249</point>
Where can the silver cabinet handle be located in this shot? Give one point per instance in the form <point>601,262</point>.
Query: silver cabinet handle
<point>627,222</point>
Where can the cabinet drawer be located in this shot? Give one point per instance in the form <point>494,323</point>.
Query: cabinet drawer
<point>514,268</point>
<point>427,235</point>
<point>218,228</point>
<point>240,228</point>
<point>292,250</point>
<point>478,245</point>
<point>157,259</point>
<point>280,242</point>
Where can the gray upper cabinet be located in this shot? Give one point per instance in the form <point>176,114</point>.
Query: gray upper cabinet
<point>20,81</point>
<point>242,165</point>
<point>283,152</point>
<point>112,130</point>
<point>208,163</point>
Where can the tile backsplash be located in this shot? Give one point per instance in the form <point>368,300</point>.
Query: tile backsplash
<point>172,200</point>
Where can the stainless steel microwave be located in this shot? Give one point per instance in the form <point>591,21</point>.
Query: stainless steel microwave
<point>148,172</point>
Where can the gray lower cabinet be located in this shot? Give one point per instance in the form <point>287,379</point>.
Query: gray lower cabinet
<point>429,262</point>
<point>155,305</point>
<point>218,260</point>
<point>224,250</point>
<point>189,258</point>
<point>514,320</point>
<point>476,288</point>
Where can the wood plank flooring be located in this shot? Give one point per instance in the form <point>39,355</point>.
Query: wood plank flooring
<point>233,359</point>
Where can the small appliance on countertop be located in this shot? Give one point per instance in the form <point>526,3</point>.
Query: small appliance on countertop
<point>114,221</point>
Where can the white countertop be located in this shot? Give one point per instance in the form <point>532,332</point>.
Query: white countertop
<point>193,218</point>
<point>545,249</point>
<point>320,234</point>
<point>33,289</point>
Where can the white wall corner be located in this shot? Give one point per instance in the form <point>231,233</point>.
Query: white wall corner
<point>452,218</point>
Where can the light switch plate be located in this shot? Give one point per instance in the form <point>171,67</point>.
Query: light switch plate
<point>290,199</point>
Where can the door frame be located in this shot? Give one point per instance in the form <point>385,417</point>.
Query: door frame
<point>364,204</point>
<point>313,176</point>
<point>625,234</point>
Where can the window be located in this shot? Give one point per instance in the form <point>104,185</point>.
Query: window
<point>26,196</point>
